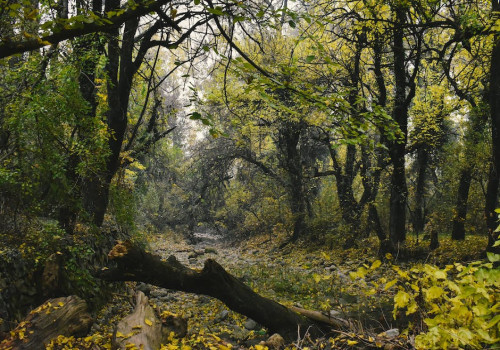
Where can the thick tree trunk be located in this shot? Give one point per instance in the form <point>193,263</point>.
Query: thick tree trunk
<point>494,175</point>
<point>288,141</point>
<point>62,316</point>
<point>134,264</point>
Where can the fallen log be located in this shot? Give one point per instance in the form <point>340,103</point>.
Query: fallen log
<point>144,329</point>
<point>61,316</point>
<point>135,264</point>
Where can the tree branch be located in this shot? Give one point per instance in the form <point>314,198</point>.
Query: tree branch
<point>102,24</point>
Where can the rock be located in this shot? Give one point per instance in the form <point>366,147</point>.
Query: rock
<point>222,316</point>
<point>143,287</point>
<point>390,333</point>
<point>240,333</point>
<point>335,313</point>
<point>331,268</point>
<point>250,324</point>
<point>159,292</point>
<point>275,341</point>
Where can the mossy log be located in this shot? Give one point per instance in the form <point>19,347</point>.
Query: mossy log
<point>66,316</point>
<point>134,264</point>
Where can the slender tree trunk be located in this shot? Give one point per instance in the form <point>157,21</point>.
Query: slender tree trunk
<point>419,211</point>
<point>397,149</point>
<point>494,175</point>
<point>458,232</point>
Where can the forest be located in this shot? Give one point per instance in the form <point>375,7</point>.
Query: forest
<point>249,174</point>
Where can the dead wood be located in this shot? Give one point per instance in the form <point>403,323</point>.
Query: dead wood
<point>61,316</point>
<point>144,329</point>
<point>135,264</point>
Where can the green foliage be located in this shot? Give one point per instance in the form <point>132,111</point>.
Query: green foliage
<point>458,304</point>
<point>53,140</point>
<point>122,207</point>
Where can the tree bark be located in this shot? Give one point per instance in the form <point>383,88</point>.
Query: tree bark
<point>62,316</point>
<point>288,141</point>
<point>134,264</point>
<point>419,210</point>
<point>494,175</point>
<point>458,232</point>
<point>397,148</point>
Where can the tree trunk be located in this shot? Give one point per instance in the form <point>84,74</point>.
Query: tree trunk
<point>399,192</point>
<point>494,175</point>
<point>398,199</point>
<point>374,222</point>
<point>134,264</point>
<point>62,316</point>
<point>419,210</point>
<point>288,141</point>
<point>458,232</point>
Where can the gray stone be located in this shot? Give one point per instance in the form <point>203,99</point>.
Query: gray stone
<point>335,313</point>
<point>250,324</point>
<point>390,333</point>
<point>240,333</point>
<point>143,287</point>
<point>222,316</point>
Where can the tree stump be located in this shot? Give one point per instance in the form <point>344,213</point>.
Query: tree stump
<point>66,316</point>
<point>144,329</point>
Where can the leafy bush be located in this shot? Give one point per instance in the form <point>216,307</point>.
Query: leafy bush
<point>458,304</point>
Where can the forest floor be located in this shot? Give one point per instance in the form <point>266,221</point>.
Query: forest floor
<point>304,275</point>
<point>351,284</point>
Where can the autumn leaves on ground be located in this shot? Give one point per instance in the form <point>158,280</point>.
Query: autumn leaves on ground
<point>389,303</point>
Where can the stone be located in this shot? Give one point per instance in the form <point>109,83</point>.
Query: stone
<point>143,287</point>
<point>335,313</point>
<point>390,333</point>
<point>222,316</point>
<point>250,324</point>
<point>240,333</point>
<point>275,341</point>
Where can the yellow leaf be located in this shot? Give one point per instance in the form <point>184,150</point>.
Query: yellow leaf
<point>351,342</point>
<point>412,308</point>
<point>390,284</point>
<point>376,264</point>
<point>148,322</point>
<point>434,292</point>
<point>401,299</point>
